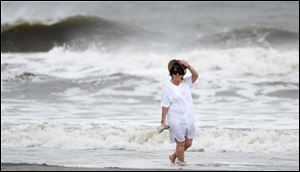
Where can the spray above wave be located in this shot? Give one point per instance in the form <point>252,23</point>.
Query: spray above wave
<point>77,32</point>
<point>109,136</point>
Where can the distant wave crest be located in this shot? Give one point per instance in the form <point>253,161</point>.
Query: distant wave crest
<point>78,31</point>
<point>253,36</point>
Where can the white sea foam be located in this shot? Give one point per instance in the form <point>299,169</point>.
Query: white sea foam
<point>143,138</point>
<point>66,64</point>
<point>238,60</point>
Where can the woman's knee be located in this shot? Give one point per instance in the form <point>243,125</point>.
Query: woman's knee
<point>180,144</point>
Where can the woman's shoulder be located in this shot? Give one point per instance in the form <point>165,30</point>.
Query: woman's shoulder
<point>166,85</point>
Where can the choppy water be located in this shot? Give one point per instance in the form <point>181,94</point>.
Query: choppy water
<point>90,78</point>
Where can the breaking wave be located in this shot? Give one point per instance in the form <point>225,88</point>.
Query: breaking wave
<point>77,32</point>
<point>126,137</point>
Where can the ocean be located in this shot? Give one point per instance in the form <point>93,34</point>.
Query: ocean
<point>81,83</point>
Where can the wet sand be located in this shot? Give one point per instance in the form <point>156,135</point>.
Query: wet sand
<point>45,167</point>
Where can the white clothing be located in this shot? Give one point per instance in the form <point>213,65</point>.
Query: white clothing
<point>180,115</point>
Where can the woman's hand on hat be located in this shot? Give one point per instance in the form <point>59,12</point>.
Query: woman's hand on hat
<point>184,63</point>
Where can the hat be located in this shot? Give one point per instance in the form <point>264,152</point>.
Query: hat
<point>173,62</point>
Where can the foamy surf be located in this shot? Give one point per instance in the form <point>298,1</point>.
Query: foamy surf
<point>93,136</point>
<point>68,64</point>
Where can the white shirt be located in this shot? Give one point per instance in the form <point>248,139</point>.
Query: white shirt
<point>179,101</point>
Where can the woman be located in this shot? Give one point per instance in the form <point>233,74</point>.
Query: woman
<point>177,104</point>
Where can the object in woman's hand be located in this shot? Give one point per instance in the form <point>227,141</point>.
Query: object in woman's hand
<point>162,128</point>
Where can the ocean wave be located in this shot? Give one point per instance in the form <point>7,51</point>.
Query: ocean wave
<point>12,73</point>
<point>63,63</point>
<point>77,32</point>
<point>257,61</point>
<point>126,137</point>
<point>266,37</point>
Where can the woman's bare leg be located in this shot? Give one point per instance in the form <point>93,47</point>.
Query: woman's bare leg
<point>172,157</point>
<point>188,143</point>
<point>180,150</point>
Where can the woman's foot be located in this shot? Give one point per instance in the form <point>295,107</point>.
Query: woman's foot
<point>181,163</point>
<point>172,158</point>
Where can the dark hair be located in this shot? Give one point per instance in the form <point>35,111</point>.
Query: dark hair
<point>177,68</point>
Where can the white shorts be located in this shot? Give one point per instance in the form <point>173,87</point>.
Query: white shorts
<point>181,133</point>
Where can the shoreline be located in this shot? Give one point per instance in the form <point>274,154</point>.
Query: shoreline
<point>46,167</point>
<point>225,161</point>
